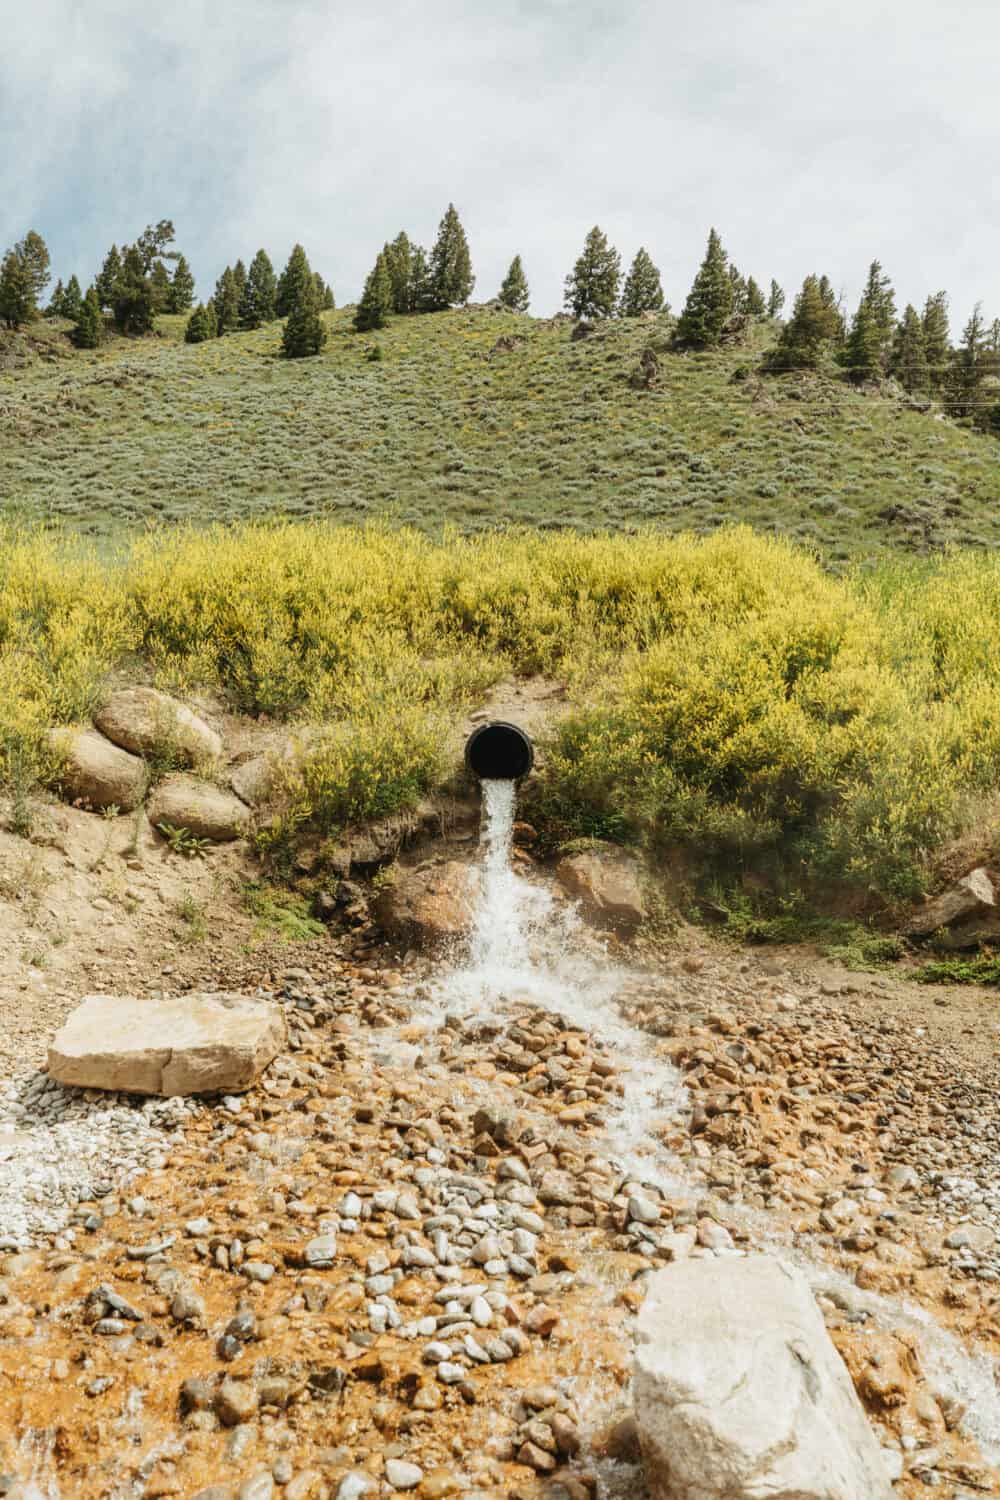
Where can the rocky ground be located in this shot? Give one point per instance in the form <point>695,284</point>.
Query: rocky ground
<point>410,1260</point>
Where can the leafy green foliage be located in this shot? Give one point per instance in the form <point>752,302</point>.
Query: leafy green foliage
<point>983,969</point>
<point>304,334</point>
<point>377,298</point>
<point>259,297</point>
<point>514,292</point>
<point>809,332</point>
<point>24,275</point>
<point>89,328</point>
<point>180,297</point>
<point>295,281</point>
<point>202,324</point>
<point>281,912</point>
<point>181,841</point>
<point>450,280</point>
<point>592,285</point>
<point>710,300</point>
<point>642,291</point>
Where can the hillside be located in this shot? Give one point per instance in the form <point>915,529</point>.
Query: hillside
<point>450,426</point>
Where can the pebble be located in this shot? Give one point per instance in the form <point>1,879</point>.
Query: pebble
<point>402,1476</point>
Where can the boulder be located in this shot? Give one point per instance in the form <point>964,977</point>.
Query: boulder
<point>94,771</point>
<point>149,722</point>
<point>606,881</point>
<point>186,1044</point>
<point>740,1393</point>
<point>971,896</point>
<point>253,780</point>
<point>201,808</point>
<point>430,905</point>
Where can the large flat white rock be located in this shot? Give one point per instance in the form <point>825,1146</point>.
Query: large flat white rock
<point>740,1393</point>
<point>186,1044</point>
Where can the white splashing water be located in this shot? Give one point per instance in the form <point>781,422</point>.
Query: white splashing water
<point>527,947</point>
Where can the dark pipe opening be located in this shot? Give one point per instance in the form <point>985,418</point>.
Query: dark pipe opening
<point>499,752</point>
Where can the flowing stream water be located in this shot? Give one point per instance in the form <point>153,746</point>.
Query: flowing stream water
<point>529,947</point>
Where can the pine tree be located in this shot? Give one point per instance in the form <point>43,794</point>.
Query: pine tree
<point>376,300</point>
<point>54,309</point>
<point>830,300</point>
<point>881,299</point>
<point>329,302</point>
<point>739,286</point>
<point>776,300</point>
<point>35,256</point>
<point>642,291</point>
<point>863,352</point>
<point>909,359</point>
<point>993,337</point>
<point>451,278</point>
<point>756,305</point>
<point>257,305</point>
<point>292,282</point>
<point>159,280</point>
<point>592,285</point>
<point>24,276</point>
<point>303,333</point>
<point>515,293</point>
<point>132,301</point>
<point>324,296</point>
<point>226,302</point>
<point>181,294</point>
<point>710,300</point>
<point>421,291</point>
<point>240,277</point>
<point>399,262</point>
<point>201,325</point>
<point>72,299</point>
<point>107,278</point>
<point>813,325</point>
<point>937,337</point>
<point>89,328</point>
<point>967,371</point>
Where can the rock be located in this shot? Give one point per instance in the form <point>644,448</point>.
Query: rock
<point>427,907</point>
<point>191,1044</point>
<point>235,1402</point>
<point>740,1394</point>
<point>605,880</point>
<point>581,330</point>
<point>982,928</point>
<point>354,1485</point>
<point>402,1476</point>
<point>970,896</point>
<point>321,1252</point>
<point>253,780</point>
<point>199,807</point>
<point>93,771</point>
<point>151,723</point>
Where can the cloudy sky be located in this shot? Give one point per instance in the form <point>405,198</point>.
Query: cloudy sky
<point>815,135</point>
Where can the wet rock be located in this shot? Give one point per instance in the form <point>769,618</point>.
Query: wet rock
<point>198,1043</point>
<point>739,1390</point>
<point>200,808</point>
<point>95,772</point>
<point>606,881</point>
<point>402,1476</point>
<point>321,1252</point>
<point>428,906</point>
<point>148,723</point>
<point>235,1402</point>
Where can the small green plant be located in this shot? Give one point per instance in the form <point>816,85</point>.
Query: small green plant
<point>281,911</point>
<point>983,969</point>
<point>22,776</point>
<point>183,842</point>
<point>192,914</point>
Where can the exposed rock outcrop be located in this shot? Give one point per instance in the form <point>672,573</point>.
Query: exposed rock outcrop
<point>188,1044</point>
<point>428,905</point>
<point>972,896</point>
<point>740,1394</point>
<point>606,881</point>
<point>148,722</point>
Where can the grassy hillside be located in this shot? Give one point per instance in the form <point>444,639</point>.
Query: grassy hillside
<point>447,427</point>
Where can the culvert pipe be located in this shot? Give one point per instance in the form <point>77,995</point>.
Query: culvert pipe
<point>499,752</point>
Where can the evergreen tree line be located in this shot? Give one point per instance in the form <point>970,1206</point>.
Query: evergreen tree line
<point>138,281</point>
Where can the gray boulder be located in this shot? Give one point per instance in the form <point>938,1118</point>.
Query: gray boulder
<point>148,722</point>
<point>972,896</point>
<point>93,771</point>
<point>199,807</point>
<point>740,1393</point>
<point>606,882</point>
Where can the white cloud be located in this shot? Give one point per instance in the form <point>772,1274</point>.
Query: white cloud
<point>815,136</point>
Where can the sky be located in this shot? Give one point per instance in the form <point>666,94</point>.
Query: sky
<point>815,135</point>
